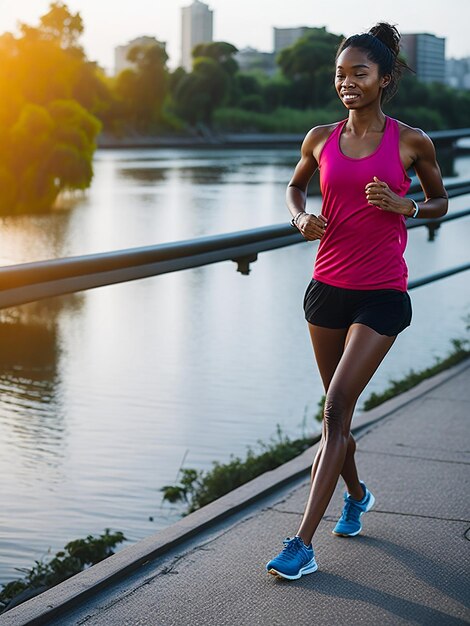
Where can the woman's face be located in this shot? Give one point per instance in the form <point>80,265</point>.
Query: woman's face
<point>357,79</point>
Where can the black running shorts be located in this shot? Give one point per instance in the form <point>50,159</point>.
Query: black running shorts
<point>387,311</point>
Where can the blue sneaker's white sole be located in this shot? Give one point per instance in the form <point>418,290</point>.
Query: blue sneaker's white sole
<point>369,506</point>
<point>306,569</point>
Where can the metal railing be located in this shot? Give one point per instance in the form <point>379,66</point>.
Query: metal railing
<point>29,282</point>
<point>419,282</point>
<point>454,189</point>
<point>443,137</point>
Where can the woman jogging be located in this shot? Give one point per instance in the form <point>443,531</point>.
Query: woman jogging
<point>357,302</point>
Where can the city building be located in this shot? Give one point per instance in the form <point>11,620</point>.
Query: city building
<point>425,54</point>
<point>196,27</point>
<point>121,61</point>
<point>458,73</point>
<point>251,59</point>
<point>285,37</point>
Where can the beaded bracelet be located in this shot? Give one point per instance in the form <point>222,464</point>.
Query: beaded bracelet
<point>296,217</point>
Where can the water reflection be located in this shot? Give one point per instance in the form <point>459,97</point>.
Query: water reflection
<point>26,238</point>
<point>32,415</point>
<point>151,176</point>
<point>201,175</point>
<point>210,175</point>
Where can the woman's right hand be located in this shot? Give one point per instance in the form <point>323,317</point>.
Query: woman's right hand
<point>311,226</point>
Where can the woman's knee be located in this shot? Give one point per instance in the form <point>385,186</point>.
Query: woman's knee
<point>351,445</point>
<point>337,415</point>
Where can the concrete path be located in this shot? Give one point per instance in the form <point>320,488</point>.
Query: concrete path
<point>410,565</point>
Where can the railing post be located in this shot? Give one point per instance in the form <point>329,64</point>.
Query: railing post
<point>432,229</point>
<point>243,263</point>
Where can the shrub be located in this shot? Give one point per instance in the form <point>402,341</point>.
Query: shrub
<point>282,120</point>
<point>459,353</point>
<point>198,488</point>
<point>75,557</point>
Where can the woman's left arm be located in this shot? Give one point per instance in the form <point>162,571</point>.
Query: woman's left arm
<point>429,175</point>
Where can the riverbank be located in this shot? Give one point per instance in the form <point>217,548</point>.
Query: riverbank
<point>201,488</point>
<point>228,140</point>
<point>208,139</point>
<point>393,573</point>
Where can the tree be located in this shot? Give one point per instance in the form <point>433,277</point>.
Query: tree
<point>142,91</point>
<point>309,64</point>
<point>247,92</point>
<point>58,26</point>
<point>221,52</point>
<point>52,64</point>
<point>47,138</point>
<point>51,150</point>
<point>200,92</point>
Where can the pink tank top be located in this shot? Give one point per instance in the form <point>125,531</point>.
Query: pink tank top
<point>363,246</point>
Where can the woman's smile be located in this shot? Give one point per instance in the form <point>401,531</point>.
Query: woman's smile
<point>350,97</point>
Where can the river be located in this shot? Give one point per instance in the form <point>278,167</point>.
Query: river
<point>104,393</point>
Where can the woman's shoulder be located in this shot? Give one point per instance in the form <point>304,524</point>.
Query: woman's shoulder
<point>317,136</point>
<point>414,137</point>
<point>415,143</point>
<point>318,133</point>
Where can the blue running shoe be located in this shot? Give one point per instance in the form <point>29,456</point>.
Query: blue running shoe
<point>295,560</point>
<point>349,524</point>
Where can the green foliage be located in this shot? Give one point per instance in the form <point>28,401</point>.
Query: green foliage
<point>92,91</point>
<point>75,557</point>
<point>246,92</point>
<point>282,120</point>
<point>174,80</point>
<point>421,117</point>
<point>460,352</point>
<point>321,408</point>
<point>57,25</point>
<point>47,61</point>
<point>47,150</point>
<point>219,51</point>
<point>277,94</point>
<point>197,94</point>
<point>430,106</point>
<point>40,156</point>
<point>198,488</point>
<point>309,65</point>
<point>141,92</point>
<point>202,91</point>
<point>306,84</point>
<point>253,102</point>
<point>47,139</point>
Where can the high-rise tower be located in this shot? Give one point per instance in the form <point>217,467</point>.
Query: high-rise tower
<point>285,37</point>
<point>425,53</point>
<point>196,27</point>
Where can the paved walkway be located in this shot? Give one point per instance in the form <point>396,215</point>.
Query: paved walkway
<point>410,565</point>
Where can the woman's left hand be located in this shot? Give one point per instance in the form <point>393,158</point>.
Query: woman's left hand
<point>380,195</point>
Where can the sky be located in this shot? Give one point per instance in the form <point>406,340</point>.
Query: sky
<point>109,23</point>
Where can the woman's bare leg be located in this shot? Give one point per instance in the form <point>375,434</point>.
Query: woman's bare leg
<point>363,353</point>
<point>328,345</point>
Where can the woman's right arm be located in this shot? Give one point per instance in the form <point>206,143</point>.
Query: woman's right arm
<point>311,226</point>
